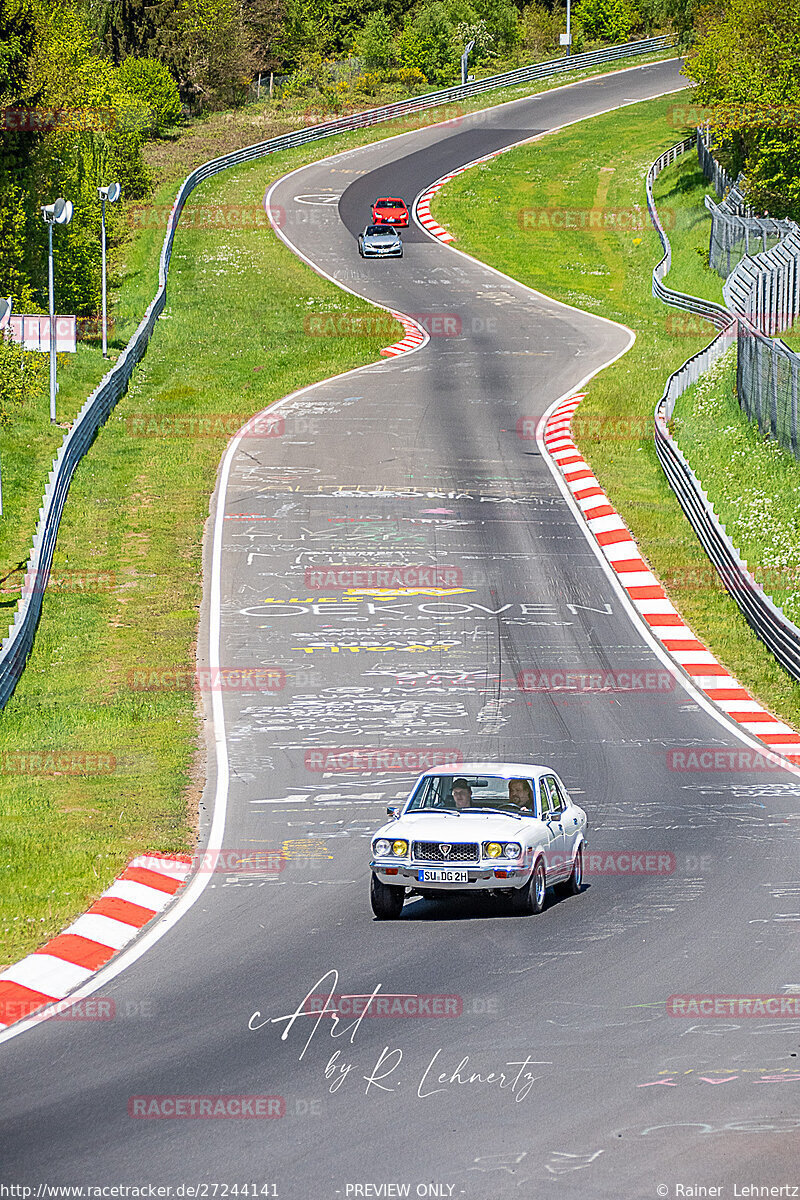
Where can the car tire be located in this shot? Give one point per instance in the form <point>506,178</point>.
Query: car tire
<point>574,885</point>
<point>386,901</point>
<point>530,898</point>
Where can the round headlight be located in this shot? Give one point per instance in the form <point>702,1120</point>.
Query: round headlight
<point>493,850</point>
<point>512,850</point>
<point>400,848</point>
<point>382,847</point>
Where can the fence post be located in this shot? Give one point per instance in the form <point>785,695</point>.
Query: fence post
<point>793,369</point>
<point>773,407</point>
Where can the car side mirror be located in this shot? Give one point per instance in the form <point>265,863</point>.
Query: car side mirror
<point>393,811</point>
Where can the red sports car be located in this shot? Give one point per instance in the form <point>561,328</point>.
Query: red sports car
<point>389,211</point>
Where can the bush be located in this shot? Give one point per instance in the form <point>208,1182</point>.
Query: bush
<point>23,376</point>
<point>150,81</point>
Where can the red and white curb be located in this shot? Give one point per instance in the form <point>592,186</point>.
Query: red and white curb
<point>649,597</point>
<point>422,205</point>
<point>415,337</point>
<point>142,891</point>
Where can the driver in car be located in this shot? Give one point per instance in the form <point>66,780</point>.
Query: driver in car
<point>520,793</point>
<point>462,794</point>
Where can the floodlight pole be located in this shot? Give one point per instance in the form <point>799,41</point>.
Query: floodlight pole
<point>59,213</point>
<point>111,193</point>
<point>103,244</point>
<point>465,62</point>
<point>51,298</point>
<point>5,316</point>
<point>569,31</point>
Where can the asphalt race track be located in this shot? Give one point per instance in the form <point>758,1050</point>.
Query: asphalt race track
<point>417,461</point>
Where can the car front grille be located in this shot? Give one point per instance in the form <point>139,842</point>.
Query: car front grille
<point>432,852</point>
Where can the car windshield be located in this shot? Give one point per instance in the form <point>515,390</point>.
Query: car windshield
<point>436,793</point>
<point>380,231</point>
<point>389,204</point>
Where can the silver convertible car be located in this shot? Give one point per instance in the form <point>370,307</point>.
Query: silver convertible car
<point>380,241</point>
<point>510,829</point>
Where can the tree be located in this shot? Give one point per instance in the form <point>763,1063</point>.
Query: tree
<point>502,21</point>
<point>150,82</point>
<point>375,43</point>
<point>606,20</point>
<point>211,51</point>
<point>428,43</point>
<point>18,28</point>
<point>746,61</point>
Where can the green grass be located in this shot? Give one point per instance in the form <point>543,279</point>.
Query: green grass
<point>608,271</point>
<point>129,548</point>
<point>753,484</point>
<point>678,193</point>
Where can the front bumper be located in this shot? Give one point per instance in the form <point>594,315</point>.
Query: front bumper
<point>479,875</point>
<point>371,252</point>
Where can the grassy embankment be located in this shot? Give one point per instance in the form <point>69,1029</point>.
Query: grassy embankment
<point>608,271</point>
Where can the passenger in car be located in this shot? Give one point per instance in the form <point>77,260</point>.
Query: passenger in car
<point>462,794</point>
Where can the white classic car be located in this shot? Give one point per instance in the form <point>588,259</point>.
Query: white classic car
<point>506,828</point>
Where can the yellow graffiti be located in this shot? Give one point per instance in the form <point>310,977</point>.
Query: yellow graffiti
<point>393,593</point>
<point>414,648</point>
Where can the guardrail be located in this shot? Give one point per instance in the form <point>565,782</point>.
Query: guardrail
<point>715,313</point>
<point>17,646</point>
<point>713,171</point>
<point>770,623</point>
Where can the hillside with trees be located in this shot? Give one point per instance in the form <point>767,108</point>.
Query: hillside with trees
<point>86,84</point>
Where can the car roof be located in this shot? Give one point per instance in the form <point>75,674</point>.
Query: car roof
<point>381,231</point>
<point>390,199</point>
<point>502,770</point>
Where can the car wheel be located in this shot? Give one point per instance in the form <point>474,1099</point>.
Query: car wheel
<point>530,898</point>
<point>572,887</point>
<point>386,901</point>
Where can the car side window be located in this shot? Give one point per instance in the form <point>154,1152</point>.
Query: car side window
<point>557,796</point>
<point>544,796</point>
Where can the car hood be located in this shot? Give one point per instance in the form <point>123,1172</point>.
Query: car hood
<point>381,239</point>
<point>468,827</point>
